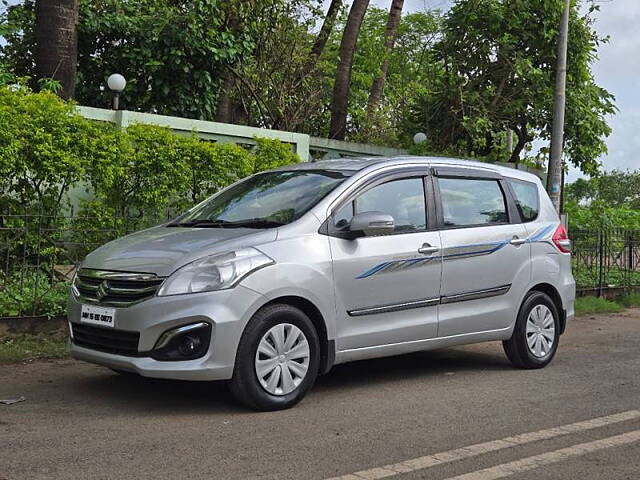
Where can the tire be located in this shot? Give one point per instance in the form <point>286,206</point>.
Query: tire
<point>533,326</point>
<point>266,392</point>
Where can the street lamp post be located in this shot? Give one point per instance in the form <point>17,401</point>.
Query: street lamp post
<point>116,84</point>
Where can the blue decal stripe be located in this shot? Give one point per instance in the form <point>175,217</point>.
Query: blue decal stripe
<point>382,267</point>
<point>373,270</point>
<point>488,248</point>
<point>540,234</point>
<point>497,246</point>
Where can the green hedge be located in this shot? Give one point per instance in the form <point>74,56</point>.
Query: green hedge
<point>46,148</point>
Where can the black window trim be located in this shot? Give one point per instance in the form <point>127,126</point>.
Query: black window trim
<point>466,172</point>
<point>513,215</point>
<point>508,181</point>
<point>421,172</point>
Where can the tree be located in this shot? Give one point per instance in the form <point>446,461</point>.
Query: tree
<point>323,35</point>
<point>499,62</point>
<point>614,189</point>
<point>273,87</point>
<point>340,96</point>
<point>56,36</point>
<point>395,13</point>
<point>172,53</point>
<point>412,70</point>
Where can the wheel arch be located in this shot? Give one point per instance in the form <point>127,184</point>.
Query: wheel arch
<point>327,347</point>
<point>553,293</point>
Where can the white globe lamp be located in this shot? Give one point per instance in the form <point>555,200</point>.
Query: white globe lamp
<point>116,84</point>
<point>419,138</point>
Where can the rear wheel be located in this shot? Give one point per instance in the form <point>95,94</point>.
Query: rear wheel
<point>535,337</point>
<point>277,360</point>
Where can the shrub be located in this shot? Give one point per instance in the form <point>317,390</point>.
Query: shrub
<point>212,166</point>
<point>44,147</point>
<point>99,223</point>
<point>147,173</point>
<point>32,293</point>
<point>270,153</point>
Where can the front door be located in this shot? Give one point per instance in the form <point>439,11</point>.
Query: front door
<point>486,255</point>
<point>387,287</point>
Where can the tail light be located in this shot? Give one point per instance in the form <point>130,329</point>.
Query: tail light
<point>561,240</point>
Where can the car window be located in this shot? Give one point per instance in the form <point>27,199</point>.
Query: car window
<point>265,200</point>
<point>472,202</point>
<point>402,199</point>
<point>527,200</point>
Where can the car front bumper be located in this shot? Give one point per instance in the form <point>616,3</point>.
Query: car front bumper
<point>227,311</point>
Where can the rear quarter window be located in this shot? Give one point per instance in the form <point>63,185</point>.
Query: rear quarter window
<point>527,199</point>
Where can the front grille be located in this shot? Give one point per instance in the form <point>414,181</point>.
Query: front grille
<point>106,340</point>
<point>117,289</point>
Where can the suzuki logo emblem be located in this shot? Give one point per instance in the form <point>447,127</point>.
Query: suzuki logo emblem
<point>102,290</point>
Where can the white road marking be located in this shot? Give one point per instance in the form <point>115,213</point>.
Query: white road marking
<point>536,461</point>
<point>486,447</point>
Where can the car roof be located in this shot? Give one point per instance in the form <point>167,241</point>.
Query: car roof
<point>361,163</point>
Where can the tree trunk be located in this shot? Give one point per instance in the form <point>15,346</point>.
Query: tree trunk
<point>56,51</point>
<point>342,83</point>
<point>223,104</point>
<point>375,95</point>
<point>323,35</point>
<point>522,132</point>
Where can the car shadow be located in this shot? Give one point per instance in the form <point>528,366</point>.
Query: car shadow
<point>419,365</point>
<point>128,393</point>
<point>131,392</point>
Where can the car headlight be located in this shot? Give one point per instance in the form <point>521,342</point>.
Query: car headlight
<point>215,272</point>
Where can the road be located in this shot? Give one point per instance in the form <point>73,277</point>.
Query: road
<point>456,413</point>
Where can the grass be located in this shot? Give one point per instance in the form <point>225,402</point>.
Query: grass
<point>20,348</point>
<point>630,300</point>
<point>588,305</point>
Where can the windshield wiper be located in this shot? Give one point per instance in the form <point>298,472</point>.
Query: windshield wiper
<point>206,223</point>
<point>217,223</point>
<point>256,223</point>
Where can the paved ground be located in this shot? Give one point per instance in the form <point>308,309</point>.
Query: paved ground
<point>82,421</point>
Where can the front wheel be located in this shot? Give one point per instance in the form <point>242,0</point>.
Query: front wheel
<point>535,337</point>
<point>277,360</point>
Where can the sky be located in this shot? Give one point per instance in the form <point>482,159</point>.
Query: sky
<point>617,70</point>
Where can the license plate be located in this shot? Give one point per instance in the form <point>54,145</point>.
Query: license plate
<point>102,316</point>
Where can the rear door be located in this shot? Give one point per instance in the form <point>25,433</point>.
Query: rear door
<point>486,255</point>
<point>387,287</point>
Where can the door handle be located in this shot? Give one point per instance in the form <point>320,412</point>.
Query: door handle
<point>426,249</point>
<point>518,241</point>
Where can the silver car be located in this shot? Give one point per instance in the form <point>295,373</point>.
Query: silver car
<point>282,275</point>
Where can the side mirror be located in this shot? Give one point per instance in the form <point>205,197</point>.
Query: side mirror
<point>372,223</point>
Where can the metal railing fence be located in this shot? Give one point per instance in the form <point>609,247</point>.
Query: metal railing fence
<point>39,254</point>
<point>605,259</point>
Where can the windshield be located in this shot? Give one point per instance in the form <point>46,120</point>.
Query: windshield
<point>264,200</point>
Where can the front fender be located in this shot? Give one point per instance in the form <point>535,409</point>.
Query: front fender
<point>305,281</point>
